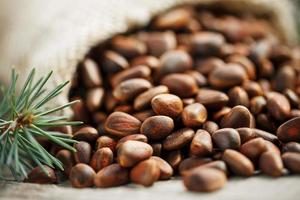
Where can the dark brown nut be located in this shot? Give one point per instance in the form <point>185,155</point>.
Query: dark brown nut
<point>289,131</point>
<point>265,67</point>
<point>238,163</point>
<point>83,152</point>
<point>257,104</point>
<point>178,139</point>
<point>82,176</point>
<point>239,116</point>
<point>266,135</point>
<point>239,30</point>
<point>194,115</point>
<point>174,19</point>
<point>87,134</point>
<point>157,127</point>
<point>188,101</point>
<point>182,85</point>
<point>143,115</point>
<point>217,116</point>
<point>246,134</point>
<point>204,180</point>
<point>166,171</point>
<point>110,102</point>
<point>217,164</point>
<point>201,144</point>
<point>150,61</point>
<point>212,99</point>
<point>228,76</point>
<point>254,148</point>
<point>158,42</point>
<point>140,71</point>
<point>238,96</point>
<point>111,176</point>
<point>210,127</point>
<point>206,66</point>
<point>61,176</point>
<point>245,63</point>
<point>129,89</point>
<point>292,97</point>
<point>285,78</point>
<point>192,163</point>
<point>106,141</point>
<point>128,46</point>
<point>252,88</point>
<point>291,161</point>
<point>291,147</point>
<point>145,173</point>
<point>80,110</point>
<point>175,61</point>
<point>91,73</point>
<point>102,158</point>
<point>131,152</point>
<point>207,43</point>
<point>265,122</point>
<point>226,138</point>
<point>157,149</point>
<point>278,105</point>
<point>174,158</point>
<point>37,175</point>
<point>124,108</point>
<point>99,117</point>
<point>122,124</point>
<point>199,78</point>
<point>67,159</point>
<point>167,104</point>
<point>135,137</point>
<point>280,54</point>
<point>94,99</point>
<point>271,164</point>
<point>144,99</point>
<point>112,62</point>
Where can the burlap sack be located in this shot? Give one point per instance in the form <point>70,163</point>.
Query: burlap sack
<point>56,35</point>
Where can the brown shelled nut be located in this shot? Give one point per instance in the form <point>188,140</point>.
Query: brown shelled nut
<point>157,127</point>
<point>111,176</point>
<point>145,173</point>
<point>82,175</point>
<point>131,152</point>
<point>204,180</point>
<point>122,124</point>
<point>102,158</point>
<point>37,175</point>
<point>83,152</point>
<point>238,163</point>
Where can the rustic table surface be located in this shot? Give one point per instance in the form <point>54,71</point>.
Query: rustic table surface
<point>254,188</point>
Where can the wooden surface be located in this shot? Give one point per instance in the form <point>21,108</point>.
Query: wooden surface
<point>254,188</point>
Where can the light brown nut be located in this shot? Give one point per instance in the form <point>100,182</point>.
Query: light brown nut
<point>131,152</point>
<point>122,124</point>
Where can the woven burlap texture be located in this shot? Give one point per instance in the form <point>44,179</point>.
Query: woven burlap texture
<point>57,34</point>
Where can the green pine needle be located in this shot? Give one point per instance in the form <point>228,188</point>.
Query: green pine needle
<point>23,117</point>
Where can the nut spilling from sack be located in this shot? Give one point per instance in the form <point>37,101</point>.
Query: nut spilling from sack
<point>204,95</point>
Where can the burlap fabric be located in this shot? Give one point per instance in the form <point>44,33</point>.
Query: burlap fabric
<point>57,34</point>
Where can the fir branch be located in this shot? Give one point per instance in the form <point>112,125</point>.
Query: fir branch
<point>23,117</point>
